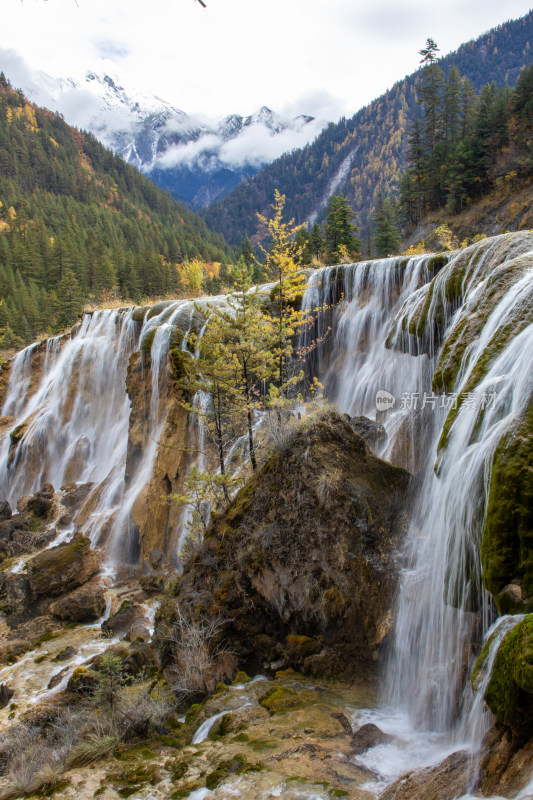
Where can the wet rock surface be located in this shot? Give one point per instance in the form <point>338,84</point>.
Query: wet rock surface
<point>372,432</point>
<point>129,620</point>
<point>84,604</point>
<point>506,763</point>
<point>367,736</point>
<point>62,568</point>
<point>155,521</point>
<point>449,780</point>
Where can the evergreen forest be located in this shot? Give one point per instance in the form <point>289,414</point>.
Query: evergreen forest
<point>79,225</point>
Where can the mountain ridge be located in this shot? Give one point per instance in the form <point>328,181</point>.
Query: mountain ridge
<point>182,153</point>
<point>379,129</point>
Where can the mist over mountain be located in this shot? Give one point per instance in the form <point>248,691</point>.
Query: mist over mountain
<point>197,160</point>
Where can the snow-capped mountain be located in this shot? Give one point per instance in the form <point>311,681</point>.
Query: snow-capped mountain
<point>196,160</point>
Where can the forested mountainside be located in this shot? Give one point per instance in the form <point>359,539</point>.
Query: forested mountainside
<point>78,224</point>
<point>463,147</point>
<point>367,153</point>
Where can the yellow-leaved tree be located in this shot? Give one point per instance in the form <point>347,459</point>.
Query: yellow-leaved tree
<point>191,274</point>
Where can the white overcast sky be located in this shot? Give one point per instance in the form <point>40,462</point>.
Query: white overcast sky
<point>321,57</point>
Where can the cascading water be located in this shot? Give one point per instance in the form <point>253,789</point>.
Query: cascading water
<point>389,330</point>
<point>394,330</point>
<point>72,424</point>
<point>75,423</point>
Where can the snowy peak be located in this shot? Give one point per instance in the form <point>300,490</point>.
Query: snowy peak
<point>158,138</point>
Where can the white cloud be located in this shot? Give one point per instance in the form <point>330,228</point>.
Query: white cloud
<point>237,55</point>
<point>257,145</point>
<point>254,146</point>
<point>187,155</point>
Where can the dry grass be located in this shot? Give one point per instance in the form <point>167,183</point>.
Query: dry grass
<point>328,484</point>
<point>92,749</point>
<point>194,647</point>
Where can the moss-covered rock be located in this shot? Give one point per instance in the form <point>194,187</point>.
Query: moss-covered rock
<point>62,568</point>
<point>139,313</point>
<point>507,544</point>
<point>82,605</point>
<point>300,568</point>
<point>147,339</point>
<point>279,699</point>
<point>509,693</point>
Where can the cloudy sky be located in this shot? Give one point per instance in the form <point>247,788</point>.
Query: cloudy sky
<point>322,57</point>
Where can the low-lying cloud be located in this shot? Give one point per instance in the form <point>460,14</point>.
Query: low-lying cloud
<point>254,146</point>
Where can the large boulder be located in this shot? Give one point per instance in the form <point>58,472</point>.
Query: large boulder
<point>447,781</point>
<point>373,433</point>
<point>82,605</point>
<point>41,504</point>
<point>63,568</point>
<point>506,763</point>
<point>15,593</point>
<point>300,568</point>
<point>368,736</point>
<point>129,620</point>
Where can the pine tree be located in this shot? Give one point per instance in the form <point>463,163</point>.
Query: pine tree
<point>386,234</point>
<point>238,355</point>
<point>339,230</point>
<point>281,265</point>
<point>430,92</point>
<point>317,242</point>
<point>453,95</point>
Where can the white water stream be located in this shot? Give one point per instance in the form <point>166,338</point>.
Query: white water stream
<point>427,703</point>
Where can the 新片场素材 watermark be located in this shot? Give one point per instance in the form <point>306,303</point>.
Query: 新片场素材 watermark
<point>414,401</point>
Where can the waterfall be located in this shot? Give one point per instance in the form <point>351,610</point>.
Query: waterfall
<point>397,325</point>
<point>75,422</point>
<point>437,349</point>
<point>71,415</point>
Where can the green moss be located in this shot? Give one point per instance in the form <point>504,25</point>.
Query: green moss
<point>279,699</point>
<point>262,745</point>
<point>180,362</point>
<point>18,432</point>
<point>40,659</point>
<point>192,713</point>
<point>157,309</point>
<point>238,765</point>
<point>132,754</point>
<point>131,778</point>
<point>139,313</point>
<point>507,544</point>
<point>221,727</point>
<point>301,646</point>
<point>147,339</point>
<point>241,677</point>
<point>285,673</point>
<point>509,693</point>
<point>82,681</point>
<point>241,737</point>
<point>437,262</point>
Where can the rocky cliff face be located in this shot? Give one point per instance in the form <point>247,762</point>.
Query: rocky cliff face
<point>155,516</point>
<point>301,567</point>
